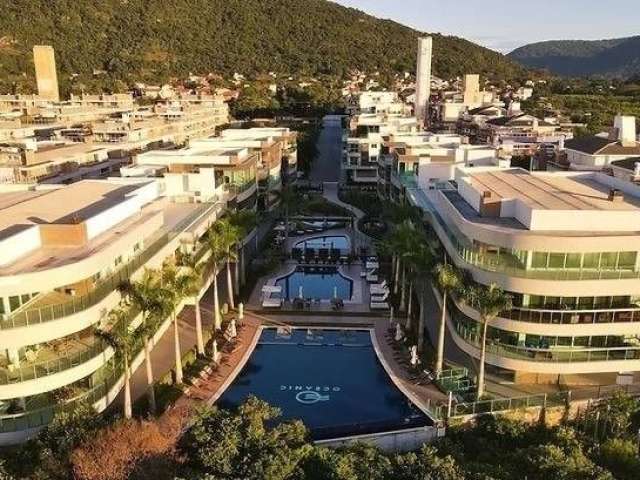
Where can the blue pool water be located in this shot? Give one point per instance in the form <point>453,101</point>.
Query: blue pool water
<point>339,242</point>
<point>332,380</point>
<point>316,282</point>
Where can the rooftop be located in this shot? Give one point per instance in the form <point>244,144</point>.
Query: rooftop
<point>552,191</point>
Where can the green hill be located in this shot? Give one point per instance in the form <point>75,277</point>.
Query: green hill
<point>138,39</point>
<point>618,57</point>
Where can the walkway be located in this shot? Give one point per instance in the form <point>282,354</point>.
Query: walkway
<point>426,396</point>
<point>327,167</point>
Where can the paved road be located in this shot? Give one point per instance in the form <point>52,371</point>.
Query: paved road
<point>326,167</point>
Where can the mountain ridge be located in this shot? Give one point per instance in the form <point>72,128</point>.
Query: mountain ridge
<point>612,58</point>
<point>174,37</point>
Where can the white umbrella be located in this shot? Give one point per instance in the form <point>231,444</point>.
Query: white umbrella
<point>300,292</point>
<point>233,331</point>
<point>335,292</point>
<point>399,333</point>
<point>414,355</point>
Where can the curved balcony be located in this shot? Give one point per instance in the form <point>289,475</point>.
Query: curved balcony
<point>42,314</point>
<point>555,360</point>
<point>38,376</point>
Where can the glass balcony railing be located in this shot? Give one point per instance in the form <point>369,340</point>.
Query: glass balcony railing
<point>37,315</point>
<point>39,369</point>
<point>573,317</point>
<point>558,354</point>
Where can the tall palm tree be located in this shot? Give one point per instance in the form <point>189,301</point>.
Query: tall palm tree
<point>403,240</point>
<point>422,262</point>
<point>449,280</point>
<point>489,302</point>
<point>217,255</point>
<point>175,287</point>
<point>145,295</point>
<point>229,236</point>
<point>193,285</point>
<point>245,221</point>
<point>288,202</point>
<point>123,340</point>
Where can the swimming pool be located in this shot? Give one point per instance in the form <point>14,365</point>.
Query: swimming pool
<point>316,282</point>
<point>330,379</point>
<point>338,242</point>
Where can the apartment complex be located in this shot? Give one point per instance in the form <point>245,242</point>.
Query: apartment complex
<point>63,252</point>
<point>565,246</point>
<point>375,115</point>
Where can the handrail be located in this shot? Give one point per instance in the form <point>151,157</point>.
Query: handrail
<point>38,315</point>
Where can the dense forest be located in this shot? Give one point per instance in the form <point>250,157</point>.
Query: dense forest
<point>614,58</point>
<point>153,39</point>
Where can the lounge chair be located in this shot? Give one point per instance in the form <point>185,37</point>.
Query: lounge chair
<point>379,306</point>
<point>268,302</point>
<point>382,285</point>
<point>380,298</point>
<point>372,277</point>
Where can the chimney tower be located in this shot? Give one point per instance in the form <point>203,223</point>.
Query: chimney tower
<point>46,76</point>
<point>423,78</point>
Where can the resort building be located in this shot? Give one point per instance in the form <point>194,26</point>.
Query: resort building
<point>63,252</point>
<point>451,104</point>
<point>203,172</point>
<point>565,246</point>
<point>600,151</point>
<point>423,159</point>
<point>363,138</point>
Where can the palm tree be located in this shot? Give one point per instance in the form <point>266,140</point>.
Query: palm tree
<point>288,202</point>
<point>403,241</point>
<point>217,252</point>
<point>146,296</point>
<point>449,280</point>
<point>175,287</point>
<point>245,221</point>
<point>489,302</point>
<point>229,236</point>
<point>123,340</point>
<point>193,284</point>
<point>422,261</point>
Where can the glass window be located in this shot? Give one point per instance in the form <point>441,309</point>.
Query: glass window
<point>539,260</point>
<point>609,260</point>
<point>2,312</point>
<point>14,303</point>
<point>591,260</point>
<point>627,260</point>
<point>556,260</point>
<point>24,298</point>
<point>585,303</point>
<point>573,260</point>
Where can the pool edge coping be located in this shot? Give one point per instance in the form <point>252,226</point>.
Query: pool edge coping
<point>397,381</point>
<point>238,368</point>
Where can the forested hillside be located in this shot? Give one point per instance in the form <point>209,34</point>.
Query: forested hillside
<point>138,39</point>
<point>607,58</point>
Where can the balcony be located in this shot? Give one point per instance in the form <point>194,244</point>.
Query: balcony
<point>572,317</point>
<point>38,314</point>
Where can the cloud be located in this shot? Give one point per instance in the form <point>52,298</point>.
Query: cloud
<point>500,44</point>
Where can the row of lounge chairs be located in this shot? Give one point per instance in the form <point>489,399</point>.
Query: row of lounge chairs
<point>321,255</point>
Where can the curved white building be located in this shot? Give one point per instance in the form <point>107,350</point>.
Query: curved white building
<point>63,252</point>
<point>566,246</point>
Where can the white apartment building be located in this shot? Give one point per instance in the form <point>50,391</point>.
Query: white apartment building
<point>363,138</point>
<point>63,252</point>
<point>600,151</point>
<point>566,247</point>
<point>423,159</point>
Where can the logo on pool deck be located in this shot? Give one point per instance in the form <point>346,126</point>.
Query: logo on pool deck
<point>309,395</point>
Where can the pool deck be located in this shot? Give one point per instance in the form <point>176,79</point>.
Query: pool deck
<point>424,396</point>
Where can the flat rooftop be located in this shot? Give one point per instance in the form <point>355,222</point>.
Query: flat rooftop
<point>68,204</point>
<point>551,191</point>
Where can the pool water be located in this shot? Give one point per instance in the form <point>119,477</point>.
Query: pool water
<point>338,242</point>
<point>317,283</point>
<point>332,380</point>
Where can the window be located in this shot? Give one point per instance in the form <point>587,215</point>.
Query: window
<point>118,260</point>
<point>556,260</point>
<point>539,260</point>
<point>573,260</point>
<point>591,261</point>
<point>609,260</point>
<point>627,260</point>
<point>136,247</point>
<point>14,303</point>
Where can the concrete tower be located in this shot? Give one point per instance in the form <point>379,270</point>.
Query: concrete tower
<point>423,77</point>
<point>46,76</point>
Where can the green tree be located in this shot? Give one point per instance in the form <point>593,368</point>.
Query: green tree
<point>620,456</point>
<point>449,280</point>
<point>146,296</point>
<point>246,444</point>
<point>489,302</point>
<point>217,255</point>
<point>426,463</point>
<point>193,279</point>
<point>229,236</point>
<point>119,336</point>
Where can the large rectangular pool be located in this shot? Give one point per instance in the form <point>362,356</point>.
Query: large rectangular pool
<point>332,380</point>
<point>317,283</point>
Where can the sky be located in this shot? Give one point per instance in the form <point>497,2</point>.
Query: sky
<point>504,25</point>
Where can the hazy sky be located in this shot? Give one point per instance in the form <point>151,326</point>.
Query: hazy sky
<point>506,24</point>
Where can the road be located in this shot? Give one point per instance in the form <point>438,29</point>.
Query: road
<point>327,166</point>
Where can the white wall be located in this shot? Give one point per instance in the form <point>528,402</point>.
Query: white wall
<point>20,244</point>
